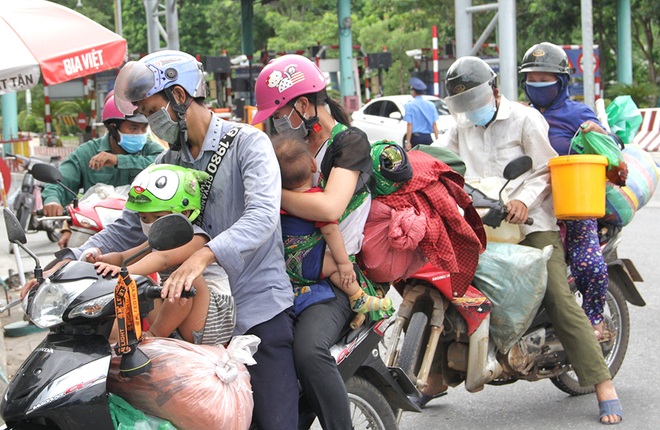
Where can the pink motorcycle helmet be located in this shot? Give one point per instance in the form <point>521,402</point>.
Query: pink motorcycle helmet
<point>111,112</point>
<point>282,80</point>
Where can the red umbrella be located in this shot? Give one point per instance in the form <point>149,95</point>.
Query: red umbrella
<point>39,35</point>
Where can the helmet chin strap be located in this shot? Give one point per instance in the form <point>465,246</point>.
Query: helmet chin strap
<point>180,111</point>
<point>312,123</point>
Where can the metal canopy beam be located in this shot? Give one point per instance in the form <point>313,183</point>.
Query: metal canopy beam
<point>505,22</point>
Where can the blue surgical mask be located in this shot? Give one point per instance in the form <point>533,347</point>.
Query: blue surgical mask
<point>542,94</point>
<point>162,125</point>
<point>483,115</point>
<point>132,143</point>
<point>283,126</point>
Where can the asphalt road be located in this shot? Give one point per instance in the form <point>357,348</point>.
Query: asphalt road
<point>524,405</point>
<point>539,405</point>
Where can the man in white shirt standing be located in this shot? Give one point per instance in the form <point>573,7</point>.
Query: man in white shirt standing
<point>490,131</point>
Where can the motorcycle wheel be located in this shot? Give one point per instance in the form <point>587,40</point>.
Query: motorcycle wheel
<point>369,408</point>
<point>617,320</point>
<point>413,343</point>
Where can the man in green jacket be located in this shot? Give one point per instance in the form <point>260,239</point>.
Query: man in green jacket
<point>114,159</point>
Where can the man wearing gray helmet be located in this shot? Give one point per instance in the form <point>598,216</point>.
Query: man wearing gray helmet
<point>490,131</point>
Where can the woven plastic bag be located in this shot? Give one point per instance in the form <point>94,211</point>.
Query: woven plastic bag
<point>624,118</point>
<point>622,202</point>
<point>195,387</point>
<point>514,278</point>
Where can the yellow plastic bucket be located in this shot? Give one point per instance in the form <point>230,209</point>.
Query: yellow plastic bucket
<point>578,186</point>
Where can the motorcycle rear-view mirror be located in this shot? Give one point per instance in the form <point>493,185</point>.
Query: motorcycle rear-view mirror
<point>169,232</point>
<point>517,167</point>
<point>51,175</point>
<point>46,173</point>
<point>15,232</point>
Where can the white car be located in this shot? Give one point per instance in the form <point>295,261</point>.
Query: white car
<point>382,118</point>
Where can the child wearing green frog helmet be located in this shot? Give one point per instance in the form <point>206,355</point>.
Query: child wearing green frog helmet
<point>210,316</point>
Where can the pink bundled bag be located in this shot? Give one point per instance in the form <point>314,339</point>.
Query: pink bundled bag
<point>195,387</point>
<point>390,248</point>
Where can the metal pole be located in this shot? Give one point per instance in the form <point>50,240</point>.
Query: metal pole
<point>436,79</point>
<point>172,25</point>
<point>118,22</point>
<point>247,43</point>
<point>347,85</point>
<point>508,51</point>
<point>9,118</point>
<point>588,53</point>
<point>153,37</point>
<point>623,43</point>
<point>463,27</point>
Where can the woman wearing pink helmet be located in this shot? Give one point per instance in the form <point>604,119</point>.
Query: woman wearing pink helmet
<point>114,159</point>
<point>292,91</point>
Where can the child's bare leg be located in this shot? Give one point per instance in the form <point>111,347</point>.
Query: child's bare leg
<point>187,317</point>
<point>359,300</point>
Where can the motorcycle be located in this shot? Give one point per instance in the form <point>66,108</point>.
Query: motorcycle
<point>439,344</point>
<point>100,205</point>
<point>62,383</point>
<point>375,391</point>
<point>27,204</point>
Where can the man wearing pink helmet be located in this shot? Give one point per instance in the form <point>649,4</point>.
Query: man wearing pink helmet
<point>114,159</point>
<point>292,91</point>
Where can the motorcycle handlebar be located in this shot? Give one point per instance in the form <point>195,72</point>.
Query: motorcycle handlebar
<point>64,217</point>
<point>153,292</point>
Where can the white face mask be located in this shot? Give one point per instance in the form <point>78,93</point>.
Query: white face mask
<point>145,227</point>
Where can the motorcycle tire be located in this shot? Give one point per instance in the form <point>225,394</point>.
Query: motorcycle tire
<point>417,334</point>
<point>369,408</point>
<point>615,310</point>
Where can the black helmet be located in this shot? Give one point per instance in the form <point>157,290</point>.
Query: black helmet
<point>545,57</point>
<point>467,73</point>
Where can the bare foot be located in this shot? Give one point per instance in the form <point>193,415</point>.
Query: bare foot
<point>605,391</point>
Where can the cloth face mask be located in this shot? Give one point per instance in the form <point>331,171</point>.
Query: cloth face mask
<point>542,94</point>
<point>283,125</point>
<point>162,125</point>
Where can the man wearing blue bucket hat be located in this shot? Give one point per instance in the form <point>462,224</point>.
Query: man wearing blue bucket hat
<point>421,116</point>
<point>490,131</point>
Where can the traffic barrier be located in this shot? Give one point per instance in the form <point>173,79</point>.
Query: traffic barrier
<point>648,137</point>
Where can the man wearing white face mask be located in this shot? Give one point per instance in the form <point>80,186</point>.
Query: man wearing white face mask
<point>490,132</point>
<point>114,159</point>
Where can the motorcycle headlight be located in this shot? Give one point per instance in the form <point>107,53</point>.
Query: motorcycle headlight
<point>51,301</point>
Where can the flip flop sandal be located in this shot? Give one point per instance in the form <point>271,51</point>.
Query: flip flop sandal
<point>610,407</point>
